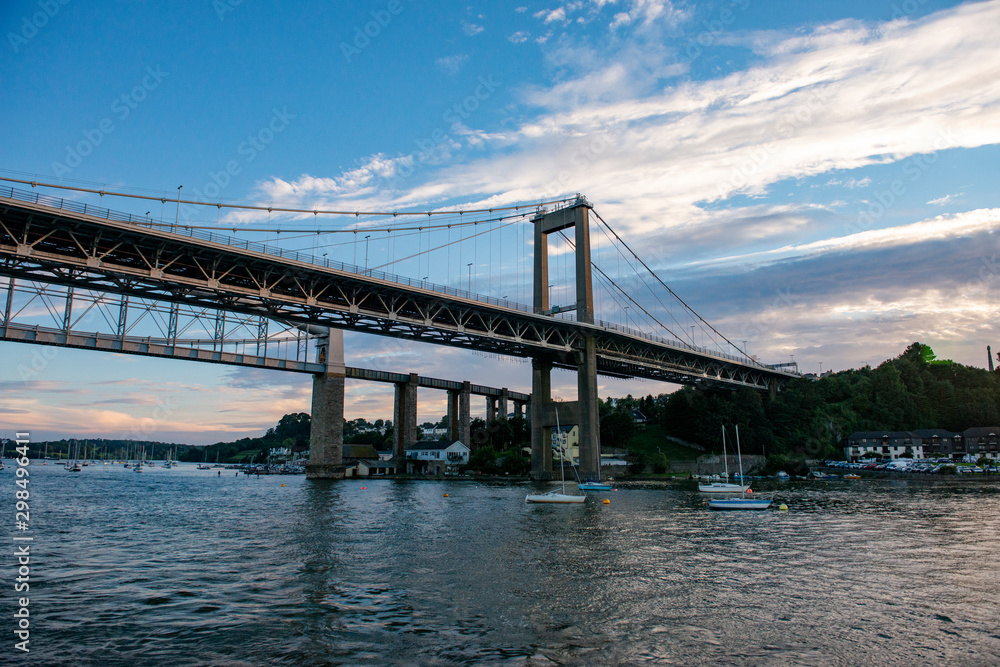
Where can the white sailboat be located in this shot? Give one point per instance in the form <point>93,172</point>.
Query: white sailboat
<point>75,467</point>
<point>558,497</point>
<point>743,502</point>
<point>725,487</point>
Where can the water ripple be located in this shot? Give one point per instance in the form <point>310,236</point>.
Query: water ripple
<point>189,567</point>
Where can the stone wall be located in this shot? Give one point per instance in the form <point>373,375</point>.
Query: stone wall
<point>714,465</point>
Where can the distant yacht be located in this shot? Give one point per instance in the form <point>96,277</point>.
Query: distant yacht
<point>724,487</point>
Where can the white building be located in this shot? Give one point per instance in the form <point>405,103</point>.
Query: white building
<point>436,457</point>
<point>883,444</point>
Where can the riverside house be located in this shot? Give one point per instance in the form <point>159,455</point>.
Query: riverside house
<point>892,444</point>
<point>940,441</point>
<point>970,444</point>
<point>436,457</point>
<point>982,441</point>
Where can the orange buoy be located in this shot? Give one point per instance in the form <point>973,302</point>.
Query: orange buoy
<point>363,488</point>
<point>446,495</point>
<point>282,484</point>
<point>607,502</point>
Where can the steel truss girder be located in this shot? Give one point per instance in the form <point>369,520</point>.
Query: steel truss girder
<point>50,245</point>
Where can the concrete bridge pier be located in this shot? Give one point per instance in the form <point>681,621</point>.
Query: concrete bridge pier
<point>541,434</point>
<point>326,436</point>
<point>404,419</point>
<point>491,409</point>
<point>518,410</point>
<point>459,419</point>
<point>452,421</point>
<point>503,403</point>
<point>588,418</point>
<point>465,414</point>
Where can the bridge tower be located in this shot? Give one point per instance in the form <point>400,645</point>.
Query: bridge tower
<point>326,436</point>
<point>584,411</point>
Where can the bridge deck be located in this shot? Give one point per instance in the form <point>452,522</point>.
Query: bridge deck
<point>52,240</point>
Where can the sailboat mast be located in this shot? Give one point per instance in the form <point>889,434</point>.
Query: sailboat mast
<point>725,459</point>
<point>739,454</point>
<point>562,454</point>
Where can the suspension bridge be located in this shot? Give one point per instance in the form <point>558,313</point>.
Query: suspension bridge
<point>251,290</point>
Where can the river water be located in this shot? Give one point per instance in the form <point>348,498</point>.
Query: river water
<point>182,566</point>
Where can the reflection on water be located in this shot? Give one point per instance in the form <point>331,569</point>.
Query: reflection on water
<point>188,567</point>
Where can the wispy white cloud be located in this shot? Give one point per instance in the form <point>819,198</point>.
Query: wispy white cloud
<point>941,201</point>
<point>552,16</point>
<point>452,64</point>
<point>519,37</point>
<point>645,12</point>
<point>851,182</point>
<point>935,229</point>
<point>472,29</point>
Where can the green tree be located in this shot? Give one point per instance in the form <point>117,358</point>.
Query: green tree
<point>484,460</point>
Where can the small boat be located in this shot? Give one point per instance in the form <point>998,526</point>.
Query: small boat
<point>204,467</point>
<point>75,466</point>
<point>852,476</point>
<point>739,503</point>
<point>553,497</point>
<point>557,497</point>
<point>724,487</point>
<point>781,474</point>
<point>591,485</point>
<point>743,502</point>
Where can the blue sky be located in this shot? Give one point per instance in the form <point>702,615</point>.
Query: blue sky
<point>818,179</point>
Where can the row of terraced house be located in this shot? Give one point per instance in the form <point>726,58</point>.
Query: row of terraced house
<point>970,444</point>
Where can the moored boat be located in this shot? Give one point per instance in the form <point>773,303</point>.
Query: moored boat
<point>739,503</point>
<point>557,497</point>
<point>553,497</point>
<point>743,502</point>
<point>724,487</point>
<point>590,485</point>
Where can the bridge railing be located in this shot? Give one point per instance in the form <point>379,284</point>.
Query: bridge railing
<point>213,237</point>
<point>673,342</point>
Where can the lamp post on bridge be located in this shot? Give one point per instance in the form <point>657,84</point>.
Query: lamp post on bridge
<point>470,277</point>
<point>178,214</point>
<point>366,251</point>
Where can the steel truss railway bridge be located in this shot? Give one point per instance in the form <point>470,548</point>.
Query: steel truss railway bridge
<point>49,241</point>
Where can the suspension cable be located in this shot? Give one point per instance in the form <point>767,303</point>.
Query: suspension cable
<point>280,209</point>
<point>659,280</point>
